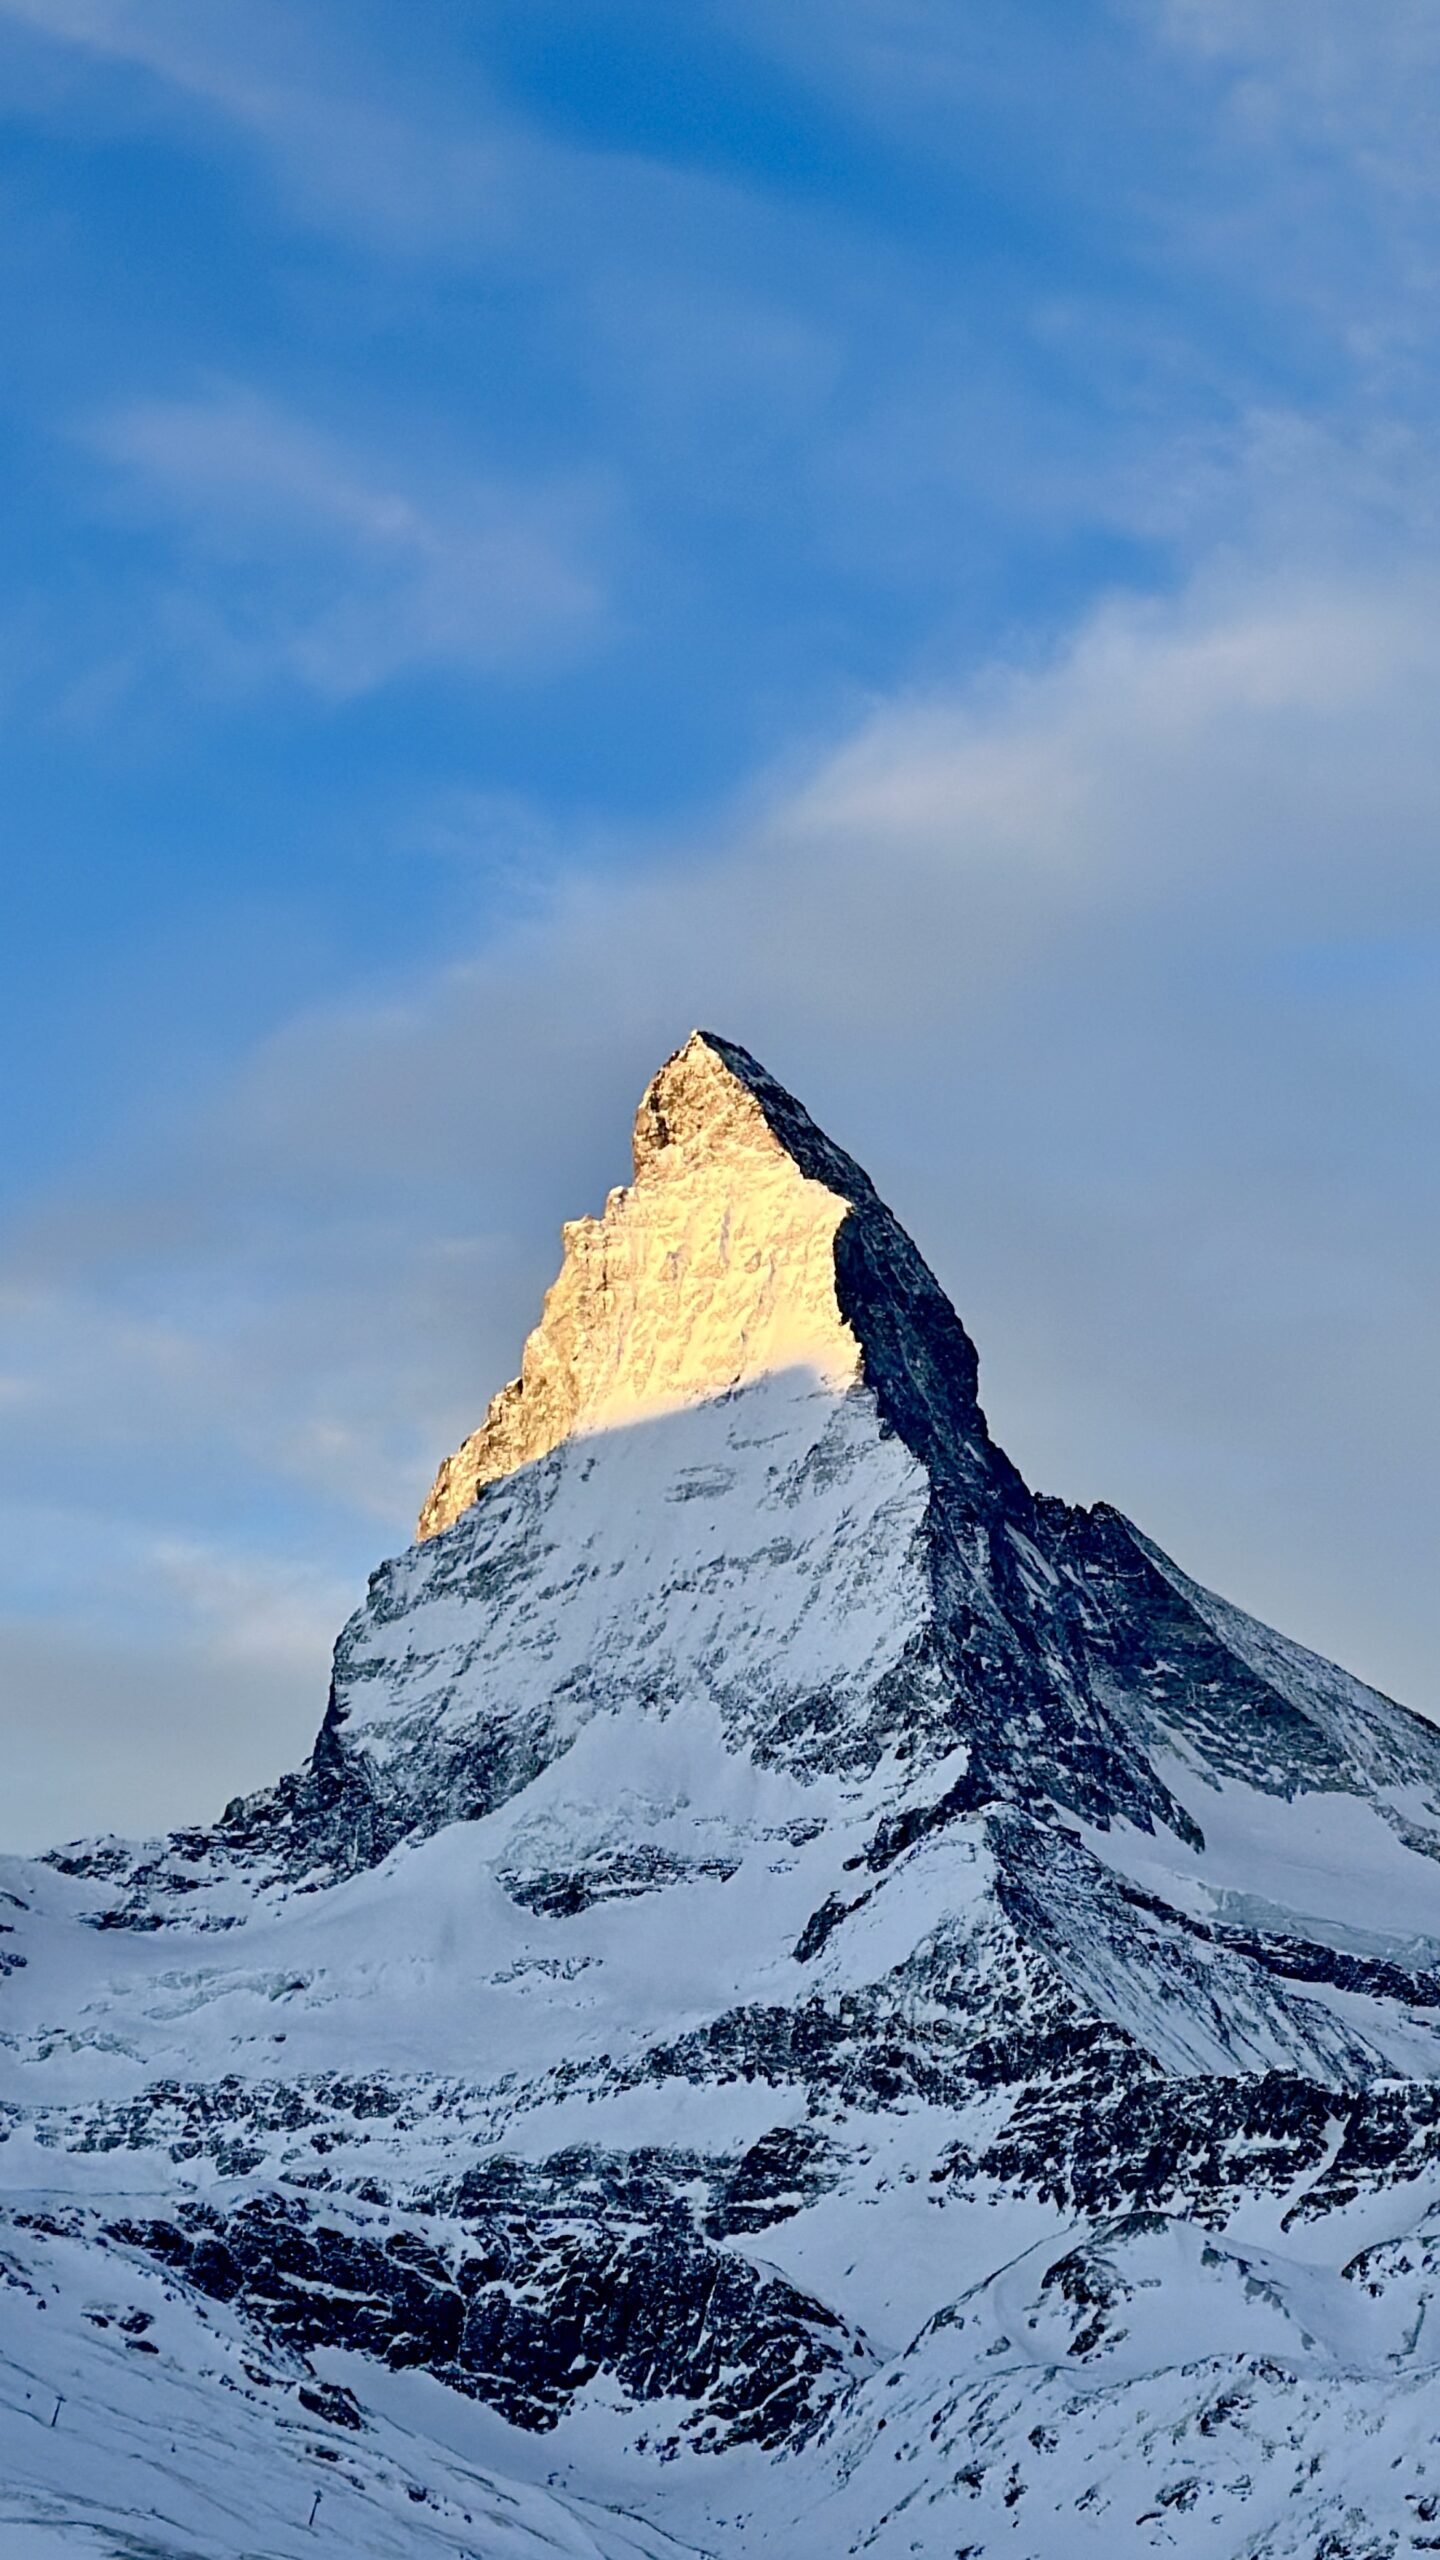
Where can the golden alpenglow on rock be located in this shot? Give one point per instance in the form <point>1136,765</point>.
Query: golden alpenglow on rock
<point>715,1266</point>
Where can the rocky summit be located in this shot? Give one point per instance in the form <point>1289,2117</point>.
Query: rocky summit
<point>807,1998</point>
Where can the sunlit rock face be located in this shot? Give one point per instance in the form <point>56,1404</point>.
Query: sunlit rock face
<point>715,1266</point>
<point>787,1944</point>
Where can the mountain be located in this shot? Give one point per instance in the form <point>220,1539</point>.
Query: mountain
<point>807,1998</point>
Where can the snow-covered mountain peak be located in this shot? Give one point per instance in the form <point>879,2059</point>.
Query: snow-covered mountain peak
<point>714,1266</point>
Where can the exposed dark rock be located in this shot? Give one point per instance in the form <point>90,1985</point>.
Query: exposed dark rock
<point>532,2311</point>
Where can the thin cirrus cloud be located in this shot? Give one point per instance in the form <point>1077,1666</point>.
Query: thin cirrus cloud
<point>728,347</point>
<point>138,1650</point>
<point>1317,65</point>
<point>346,143</point>
<point>293,558</point>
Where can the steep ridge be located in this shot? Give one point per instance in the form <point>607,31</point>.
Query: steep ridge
<point>769,1890</point>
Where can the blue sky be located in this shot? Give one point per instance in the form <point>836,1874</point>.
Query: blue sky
<point>905,530</point>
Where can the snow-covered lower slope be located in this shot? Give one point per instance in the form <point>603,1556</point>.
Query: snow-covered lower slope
<point>1148,2389</point>
<point>806,1997</point>
<point>138,2418</point>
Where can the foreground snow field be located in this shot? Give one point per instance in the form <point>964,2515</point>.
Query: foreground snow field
<point>806,1999</point>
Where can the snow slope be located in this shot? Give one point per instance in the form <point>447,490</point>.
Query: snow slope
<point>137,2418</point>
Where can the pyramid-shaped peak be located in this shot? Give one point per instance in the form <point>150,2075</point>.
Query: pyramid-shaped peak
<point>711,1095</point>
<point>704,1096</point>
<point>746,1244</point>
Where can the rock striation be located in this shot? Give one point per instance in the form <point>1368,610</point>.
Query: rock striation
<point>807,1997</point>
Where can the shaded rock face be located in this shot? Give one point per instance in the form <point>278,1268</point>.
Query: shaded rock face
<point>552,2284</point>
<point>787,1944</point>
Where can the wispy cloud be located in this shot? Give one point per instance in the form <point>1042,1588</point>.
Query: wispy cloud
<point>1332,114</point>
<point>352,142</point>
<point>145,1677</point>
<point>280,1611</point>
<point>298,560</point>
<point>889,393</point>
